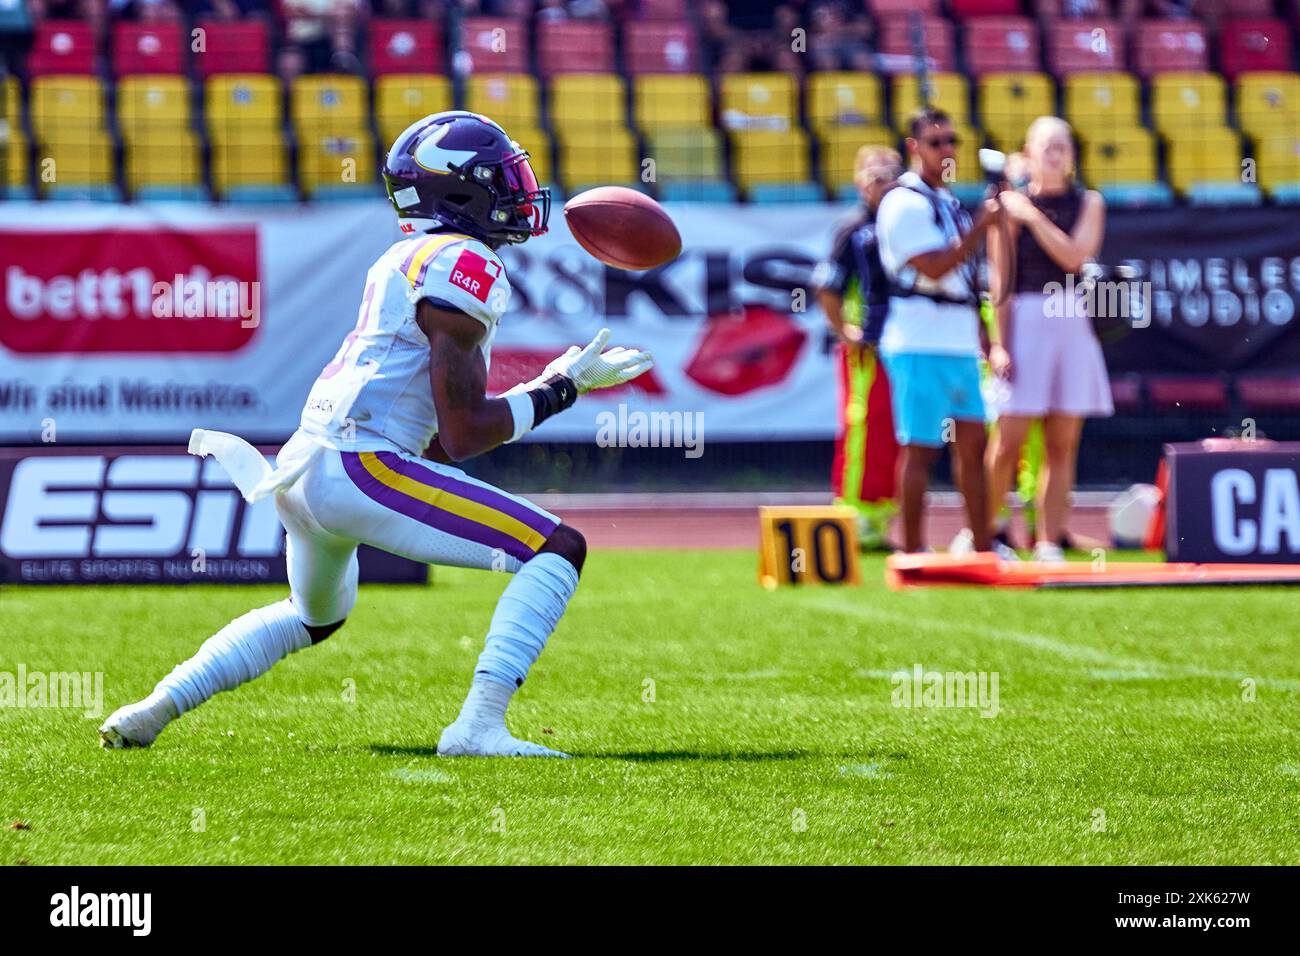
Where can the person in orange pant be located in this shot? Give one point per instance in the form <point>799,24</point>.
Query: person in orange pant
<point>853,292</point>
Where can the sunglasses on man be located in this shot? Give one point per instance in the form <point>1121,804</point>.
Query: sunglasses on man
<point>934,142</point>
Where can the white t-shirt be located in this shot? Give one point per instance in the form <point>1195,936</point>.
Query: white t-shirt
<point>906,227</point>
<point>375,395</point>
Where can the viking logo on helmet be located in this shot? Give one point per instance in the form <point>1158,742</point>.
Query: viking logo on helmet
<point>460,171</point>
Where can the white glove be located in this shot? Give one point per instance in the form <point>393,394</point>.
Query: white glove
<point>590,368</point>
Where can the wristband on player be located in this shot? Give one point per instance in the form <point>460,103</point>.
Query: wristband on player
<point>534,402</point>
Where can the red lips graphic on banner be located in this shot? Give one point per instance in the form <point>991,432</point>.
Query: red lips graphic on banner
<point>129,290</point>
<point>755,348</point>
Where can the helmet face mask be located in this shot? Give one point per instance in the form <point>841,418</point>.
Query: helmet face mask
<point>459,170</point>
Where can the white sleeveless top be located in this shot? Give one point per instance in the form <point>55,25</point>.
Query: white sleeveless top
<point>375,394</point>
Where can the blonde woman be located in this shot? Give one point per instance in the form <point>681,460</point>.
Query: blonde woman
<point>1047,358</point>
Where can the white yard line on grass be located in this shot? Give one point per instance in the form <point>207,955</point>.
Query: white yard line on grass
<point>1124,668</point>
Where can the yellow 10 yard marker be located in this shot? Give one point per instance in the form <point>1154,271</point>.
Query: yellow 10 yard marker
<point>807,545</point>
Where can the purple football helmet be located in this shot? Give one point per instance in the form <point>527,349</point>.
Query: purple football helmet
<point>459,170</point>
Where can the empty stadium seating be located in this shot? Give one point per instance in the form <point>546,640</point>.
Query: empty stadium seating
<point>148,48</point>
<point>1170,45</point>
<point>1086,44</point>
<point>1254,45</point>
<point>62,48</point>
<point>403,98</point>
<point>495,44</point>
<point>1001,45</point>
<point>243,47</point>
<point>404,46</point>
<point>1009,102</point>
<point>660,47</point>
<point>593,100</point>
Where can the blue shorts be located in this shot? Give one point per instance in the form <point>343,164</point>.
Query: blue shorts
<point>929,390</point>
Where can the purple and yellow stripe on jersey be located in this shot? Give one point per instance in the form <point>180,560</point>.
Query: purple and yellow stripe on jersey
<point>416,263</point>
<point>460,508</point>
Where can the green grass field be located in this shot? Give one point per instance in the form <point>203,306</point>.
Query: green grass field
<point>1122,734</point>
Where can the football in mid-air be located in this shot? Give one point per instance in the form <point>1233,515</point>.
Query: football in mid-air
<point>623,228</point>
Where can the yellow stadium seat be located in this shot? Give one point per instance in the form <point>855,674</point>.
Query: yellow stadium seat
<point>1009,102</point>
<point>509,98</point>
<point>686,153</point>
<point>769,156</point>
<point>839,150</point>
<point>146,104</point>
<point>242,105</point>
<point>587,100</point>
<point>13,142</point>
<point>1204,156</point>
<point>538,144</point>
<point>844,99</point>
<point>13,160</point>
<point>1102,103</point>
<point>759,101</point>
<point>163,157</point>
<point>11,101</point>
<point>670,101</point>
<point>336,160</point>
<point>70,105</point>
<point>1185,101</point>
<point>85,159</point>
<point>256,158</point>
<point>950,93</point>
<point>329,104</point>
<point>1268,104</point>
<point>403,98</point>
<point>1120,156</point>
<point>1278,160</point>
<point>596,156</point>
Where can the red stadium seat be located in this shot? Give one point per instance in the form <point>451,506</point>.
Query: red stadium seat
<point>1252,45</point>
<point>62,46</point>
<point>886,8</point>
<point>1270,392</point>
<point>404,46</point>
<point>661,47</point>
<point>984,8</point>
<point>1088,45</point>
<point>233,48</point>
<point>565,46</point>
<point>1188,393</point>
<point>1170,46</point>
<point>663,10</point>
<point>1002,45</point>
<point>896,40</point>
<point>148,48</point>
<point>496,44</point>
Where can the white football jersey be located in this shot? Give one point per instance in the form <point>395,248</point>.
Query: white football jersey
<point>375,395</point>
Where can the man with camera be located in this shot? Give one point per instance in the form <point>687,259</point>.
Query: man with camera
<point>931,344</point>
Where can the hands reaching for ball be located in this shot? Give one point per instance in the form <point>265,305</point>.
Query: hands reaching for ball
<point>591,368</point>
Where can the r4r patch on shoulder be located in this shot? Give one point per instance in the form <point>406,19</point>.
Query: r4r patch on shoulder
<point>474,274</point>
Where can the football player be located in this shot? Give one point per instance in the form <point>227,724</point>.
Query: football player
<point>404,396</point>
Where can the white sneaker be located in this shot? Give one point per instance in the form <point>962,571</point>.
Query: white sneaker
<point>138,724</point>
<point>465,739</point>
<point>1047,553</point>
<point>963,544</point>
